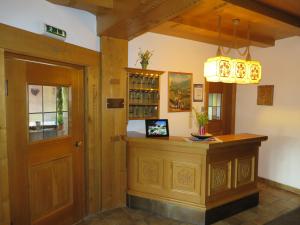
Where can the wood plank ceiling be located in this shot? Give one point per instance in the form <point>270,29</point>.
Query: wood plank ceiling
<point>268,20</point>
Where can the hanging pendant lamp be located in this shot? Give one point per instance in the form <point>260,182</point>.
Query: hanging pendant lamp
<point>228,70</point>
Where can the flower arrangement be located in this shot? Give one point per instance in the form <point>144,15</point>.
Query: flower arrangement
<point>201,117</point>
<point>144,57</point>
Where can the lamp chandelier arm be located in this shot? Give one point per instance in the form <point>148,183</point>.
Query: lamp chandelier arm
<point>221,49</point>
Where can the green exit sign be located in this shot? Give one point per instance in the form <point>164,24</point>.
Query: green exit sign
<point>55,32</point>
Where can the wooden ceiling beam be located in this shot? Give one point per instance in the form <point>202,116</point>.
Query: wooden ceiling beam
<point>97,7</point>
<point>130,18</point>
<point>186,31</point>
<point>227,34</point>
<point>268,11</point>
<point>99,3</point>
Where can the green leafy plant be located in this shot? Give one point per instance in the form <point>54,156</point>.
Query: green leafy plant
<point>144,57</point>
<point>60,119</point>
<point>201,117</point>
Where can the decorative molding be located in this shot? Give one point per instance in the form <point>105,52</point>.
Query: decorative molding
<point>150,171</point>
<point>244,171</point>
<point>184,177</point>
<point>219,177</point>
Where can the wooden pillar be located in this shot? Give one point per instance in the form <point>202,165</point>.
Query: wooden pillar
<point>93,161</point>
<point>114,122</point>
<point>4,186</point>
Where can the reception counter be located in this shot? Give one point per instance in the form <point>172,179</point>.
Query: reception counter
<point>195,182</point>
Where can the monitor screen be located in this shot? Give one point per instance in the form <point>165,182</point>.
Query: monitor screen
<point>157,128</point>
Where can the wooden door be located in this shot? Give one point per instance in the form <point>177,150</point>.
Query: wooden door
<point>45,123</point>
<point>220,105</point>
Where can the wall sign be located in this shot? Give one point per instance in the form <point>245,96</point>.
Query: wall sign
<point>198,93</point>
<point>55,32</point>
<point>265,94</point>
<point>115,103</point>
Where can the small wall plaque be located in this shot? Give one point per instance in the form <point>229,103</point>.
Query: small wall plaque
<point>198,93</point>
<point>115,103</point>
<point>265,94</point>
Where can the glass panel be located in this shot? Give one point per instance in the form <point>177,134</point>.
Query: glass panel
<point>215,99</point>
<point>219,99</point>
<point>210,113</point>
<point>65,95</point>
<point>214,113</point>
<point>49,120</point>
<point>52,105</point>
<point>210,99</point>
<point>49,98</point>
<point>49,125</point>
<point>35,121</point>
<point>62,124</point>
<point>35,127</point>
<point>35,98</point>
<point>214,106</point>
<point>218,113</point>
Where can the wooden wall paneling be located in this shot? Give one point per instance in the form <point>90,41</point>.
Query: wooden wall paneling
<point>114,122</point>
<point>4,185</point>
<point>18,41</point>
<point>27,43</point>
<point>93,137</point>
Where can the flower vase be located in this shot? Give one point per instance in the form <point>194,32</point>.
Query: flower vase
<point>144,65</point>
<point>202,130</point>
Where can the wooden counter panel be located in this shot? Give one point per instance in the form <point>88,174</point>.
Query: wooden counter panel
<point>204,175</point>
<point>166,174</point>
<point>232,171</point>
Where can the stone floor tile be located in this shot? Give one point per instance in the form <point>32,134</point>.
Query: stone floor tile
<point>273,203</point>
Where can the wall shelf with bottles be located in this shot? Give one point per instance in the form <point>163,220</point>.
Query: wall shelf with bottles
<point>143,94</point>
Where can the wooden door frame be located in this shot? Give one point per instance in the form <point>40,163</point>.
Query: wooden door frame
<point>14,40</point>
<point>233,107</point>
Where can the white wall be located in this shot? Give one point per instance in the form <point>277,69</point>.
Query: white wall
<point>171,54</point>
<point>280,155</point>
<point>30,15</point>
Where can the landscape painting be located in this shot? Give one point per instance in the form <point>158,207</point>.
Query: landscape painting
<point>180,86</point>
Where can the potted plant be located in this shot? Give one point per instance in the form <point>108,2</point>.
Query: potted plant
<point>202,120</point>
<point>144,57</point>
<point>60,119</point>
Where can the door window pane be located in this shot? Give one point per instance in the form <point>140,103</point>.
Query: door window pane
<point>65,96</point>
<point>48,111</point>
<point>214,106</point>
<point>49,98</point>
<point>35,97</point>
<point>35,126</point>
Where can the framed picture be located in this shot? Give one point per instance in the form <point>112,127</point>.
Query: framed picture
<point>265,95</point>
<point>179,93</point>
<point>198,93</point>
<point>157,128</point>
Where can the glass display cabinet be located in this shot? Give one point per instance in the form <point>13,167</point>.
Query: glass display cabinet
<point>143,93</point>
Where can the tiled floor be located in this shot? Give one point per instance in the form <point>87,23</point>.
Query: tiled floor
<point>273,203</point>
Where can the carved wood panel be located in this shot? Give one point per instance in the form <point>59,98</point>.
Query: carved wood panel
<point>150,171</point>
<point>51,187</point>
<point>244,171</point>
<point>184,176</point>
<point>219,177</point>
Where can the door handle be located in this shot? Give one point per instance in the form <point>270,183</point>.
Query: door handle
<point>78,144</point>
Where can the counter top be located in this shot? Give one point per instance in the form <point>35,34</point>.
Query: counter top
<point>221,141</point>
